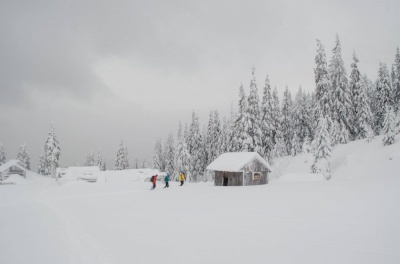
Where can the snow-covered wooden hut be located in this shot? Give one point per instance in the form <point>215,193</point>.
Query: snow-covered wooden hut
<point>12,167</point>
<point>240,169</point>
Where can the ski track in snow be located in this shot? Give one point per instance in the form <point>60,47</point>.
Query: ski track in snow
<point>82,248</point>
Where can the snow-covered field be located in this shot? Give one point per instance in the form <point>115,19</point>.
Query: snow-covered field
<point>297,218</point>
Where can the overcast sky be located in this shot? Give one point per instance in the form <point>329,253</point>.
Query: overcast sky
<point>106,71</point>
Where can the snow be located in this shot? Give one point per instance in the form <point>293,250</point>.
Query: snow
<point>352,218</point>
<point>235,161</point>
<point>301,177</point>
<point>15,178</point>
<point>82,169</point>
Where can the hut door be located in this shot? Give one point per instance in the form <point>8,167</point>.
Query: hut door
<point>225,183</point>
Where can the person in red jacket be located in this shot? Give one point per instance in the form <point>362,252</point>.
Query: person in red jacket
<point>153,179</point>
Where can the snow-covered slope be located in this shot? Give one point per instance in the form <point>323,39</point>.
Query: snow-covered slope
<point>355,160</point>
<point>352,218</point>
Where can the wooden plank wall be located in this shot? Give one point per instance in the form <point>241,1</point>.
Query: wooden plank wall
<point>236,178</point>
<point>255,166</point>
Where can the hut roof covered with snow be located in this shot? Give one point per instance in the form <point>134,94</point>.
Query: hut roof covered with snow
<point>12,167</point>
<point>236,161</point>
<point>10,163</point>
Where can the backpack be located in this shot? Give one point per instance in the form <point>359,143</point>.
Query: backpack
<point>152,178</point>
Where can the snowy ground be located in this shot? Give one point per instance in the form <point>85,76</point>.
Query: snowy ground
<point>353,218</point>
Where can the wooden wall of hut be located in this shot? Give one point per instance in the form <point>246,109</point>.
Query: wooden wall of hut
<point>229,178</point>
<point>255,166</point>
<point>248,178</point>
<point>236,178</point>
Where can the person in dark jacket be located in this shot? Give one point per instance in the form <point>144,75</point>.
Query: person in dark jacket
<point>166,181</point>
<point>154,180</point>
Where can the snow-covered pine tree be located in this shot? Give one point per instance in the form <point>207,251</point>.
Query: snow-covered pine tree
<point>100,161</point>
<point>308,115</point>
<point>186,135</point>
<point>287,120</point>
<point>212,139</point>
<point>301,120</point>
<point>389,126</point>
<point>322,83</point>
<point>238,137</point>
<point>267,122</point>
<point>306,147</point>
<point>315,113</point>
<point>297,114</point>
<point>370,135</point>
<point>230,134</point>
<point>344,135</point>
<point>186,141</point>
<point>169,157</point>
<point>121,162</point>
<point>2,154</point>
<point>296,145</point>
<point>252,128</point>
<point>126,160</point>
<point>396,80</point>
<point>355,86</point>
<point>305,113</point>
<point>208,140</point>
<point>118,160</point>
<point>182,156</point>
<point>196,150</point>
<point>204,176</point>
<point>279,149</point>
<point>276,113</point>
<point>178,153</point>
<point>322,149</point>
<point>397,117</point>
<point>52,152</point>
<point>223,140</point>
<point>27,160</point>
<point>384,96</point>
<point>370,90</point>
<point>362,112</point>
<point>158,156</point>
<point>340,94</point>
<point>216,134</point>
<point>23,156</point>
<point>41,168</point>
<point>335,132</point>
<point>90,159</point>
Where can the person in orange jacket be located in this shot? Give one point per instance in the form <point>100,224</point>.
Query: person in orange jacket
<point>182,178</point>
<point>153,179</point>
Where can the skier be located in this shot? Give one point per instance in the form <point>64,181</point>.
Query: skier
<point>153,179</point>
<point>166,181</point>
<point>182,178</point>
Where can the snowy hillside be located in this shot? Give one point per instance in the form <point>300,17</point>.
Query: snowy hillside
<point>357,159</point>
<point>352,218</point>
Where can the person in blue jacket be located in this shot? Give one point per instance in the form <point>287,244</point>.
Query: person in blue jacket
<point>166,181</point>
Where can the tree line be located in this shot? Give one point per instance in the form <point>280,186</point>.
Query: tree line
<point>342,108</point>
